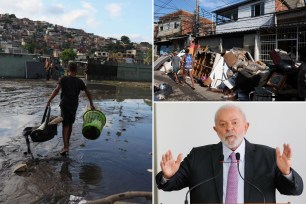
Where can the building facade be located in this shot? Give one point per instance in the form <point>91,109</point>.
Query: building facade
<point>172,32</point>
<point>259,27</point>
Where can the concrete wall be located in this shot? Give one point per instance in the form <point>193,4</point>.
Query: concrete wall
<point>213,43</point>
<point>97,71</point>
<point>35,70</point>
<point>245,10</point>
<point>134,72</point>
<point>168,28</point>
<point>124,72</point>
<point>13,65</point>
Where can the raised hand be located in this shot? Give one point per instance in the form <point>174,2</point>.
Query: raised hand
<point>168,165</point>
<point>283,160</point>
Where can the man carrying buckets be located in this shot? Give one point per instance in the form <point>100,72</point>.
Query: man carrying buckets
<point>71,87</point>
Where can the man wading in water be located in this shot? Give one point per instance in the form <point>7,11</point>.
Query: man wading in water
<point>71,87</point>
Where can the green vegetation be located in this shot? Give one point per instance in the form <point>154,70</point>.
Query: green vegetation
<point>125,39</point>
<point>68,54</point>
<point>148,59</point>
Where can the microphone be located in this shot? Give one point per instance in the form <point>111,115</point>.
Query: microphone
<point>238,159</point>
<point>221,160</point>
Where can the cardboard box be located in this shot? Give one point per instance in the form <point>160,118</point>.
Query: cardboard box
<point>230,59</point>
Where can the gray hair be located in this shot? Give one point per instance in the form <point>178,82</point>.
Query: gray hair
<point>229,106</point>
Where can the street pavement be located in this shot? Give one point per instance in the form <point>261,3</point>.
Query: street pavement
<point>184,93</point>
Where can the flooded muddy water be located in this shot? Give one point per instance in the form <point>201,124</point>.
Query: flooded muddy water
<point>118,161</point>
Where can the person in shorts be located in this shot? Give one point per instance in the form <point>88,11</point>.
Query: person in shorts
<point>176,66</point>
<point>188,67</point>
<point>71,87</point>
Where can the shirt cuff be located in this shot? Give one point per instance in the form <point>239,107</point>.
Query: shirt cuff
<point>289,176</point>
<point>164,180</point>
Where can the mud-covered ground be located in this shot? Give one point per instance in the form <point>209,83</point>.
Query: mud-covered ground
<point>119,160</point>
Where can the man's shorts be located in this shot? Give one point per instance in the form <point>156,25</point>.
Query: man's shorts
<point>175,69</point>
<point>187,70</point>
<point>68,116</point>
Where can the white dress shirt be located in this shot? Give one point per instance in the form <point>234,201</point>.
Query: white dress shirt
<point>226,153</point>
<point>241,150</point>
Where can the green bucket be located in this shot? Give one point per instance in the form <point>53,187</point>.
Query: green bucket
<point>93,123</point>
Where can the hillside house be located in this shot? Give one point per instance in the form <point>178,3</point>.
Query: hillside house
<point>253,25</point>
<point>173,30</point>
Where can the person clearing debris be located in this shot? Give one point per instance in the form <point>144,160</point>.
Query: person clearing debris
<point>187,67</point>
<point>176,66</point>
<point>71,87</point>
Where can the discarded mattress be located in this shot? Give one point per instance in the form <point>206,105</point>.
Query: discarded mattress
<point>160,61</point>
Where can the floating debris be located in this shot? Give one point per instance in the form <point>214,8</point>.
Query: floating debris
<point>20,168</point>
<point>76,200</point>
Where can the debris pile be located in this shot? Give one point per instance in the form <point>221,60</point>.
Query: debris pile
<point>236,73</point>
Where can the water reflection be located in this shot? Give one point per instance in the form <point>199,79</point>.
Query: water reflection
<point>91,174</point>
<point>120,93</point>
<point>65,172</point>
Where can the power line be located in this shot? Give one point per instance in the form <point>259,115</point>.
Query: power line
<point>241,19</point>
<point>163,6</point>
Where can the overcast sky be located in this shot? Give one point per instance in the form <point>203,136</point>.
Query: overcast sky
<point>106,18</point>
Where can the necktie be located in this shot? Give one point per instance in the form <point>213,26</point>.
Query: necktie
<point>232,182</point>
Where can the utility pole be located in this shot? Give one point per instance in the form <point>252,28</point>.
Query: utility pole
<point>197,23</point>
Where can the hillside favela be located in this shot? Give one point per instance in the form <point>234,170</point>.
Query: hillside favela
<point>51,43</point>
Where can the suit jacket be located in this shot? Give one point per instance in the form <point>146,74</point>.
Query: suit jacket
<point>261,170</point>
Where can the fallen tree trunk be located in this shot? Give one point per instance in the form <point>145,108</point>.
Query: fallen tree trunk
<point>121,196</point>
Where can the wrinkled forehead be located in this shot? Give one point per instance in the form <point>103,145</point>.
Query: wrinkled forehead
<point>229,114</point>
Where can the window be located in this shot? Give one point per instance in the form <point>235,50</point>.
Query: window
<point>257,9</point>
<point>168,26</point>
<point>176,25</point>
<point>161,28</point>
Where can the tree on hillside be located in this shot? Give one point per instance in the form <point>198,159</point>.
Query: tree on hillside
<point>68,54</point>
<point>149,56</point>
<point>12,16</point>
<point>125,39</point>
<point>30,47</point>
<point>146,44</point>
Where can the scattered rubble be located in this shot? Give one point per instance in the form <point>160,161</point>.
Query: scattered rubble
<point>20,168</point>
<point>236,74</point>
<point>162,90</point>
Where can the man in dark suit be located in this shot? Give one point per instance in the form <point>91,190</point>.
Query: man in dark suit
<point>264,167</point>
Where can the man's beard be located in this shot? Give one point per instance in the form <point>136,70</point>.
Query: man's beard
<point>233,142</point>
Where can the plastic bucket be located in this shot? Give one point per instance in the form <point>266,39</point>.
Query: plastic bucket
<point>93,123</point>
